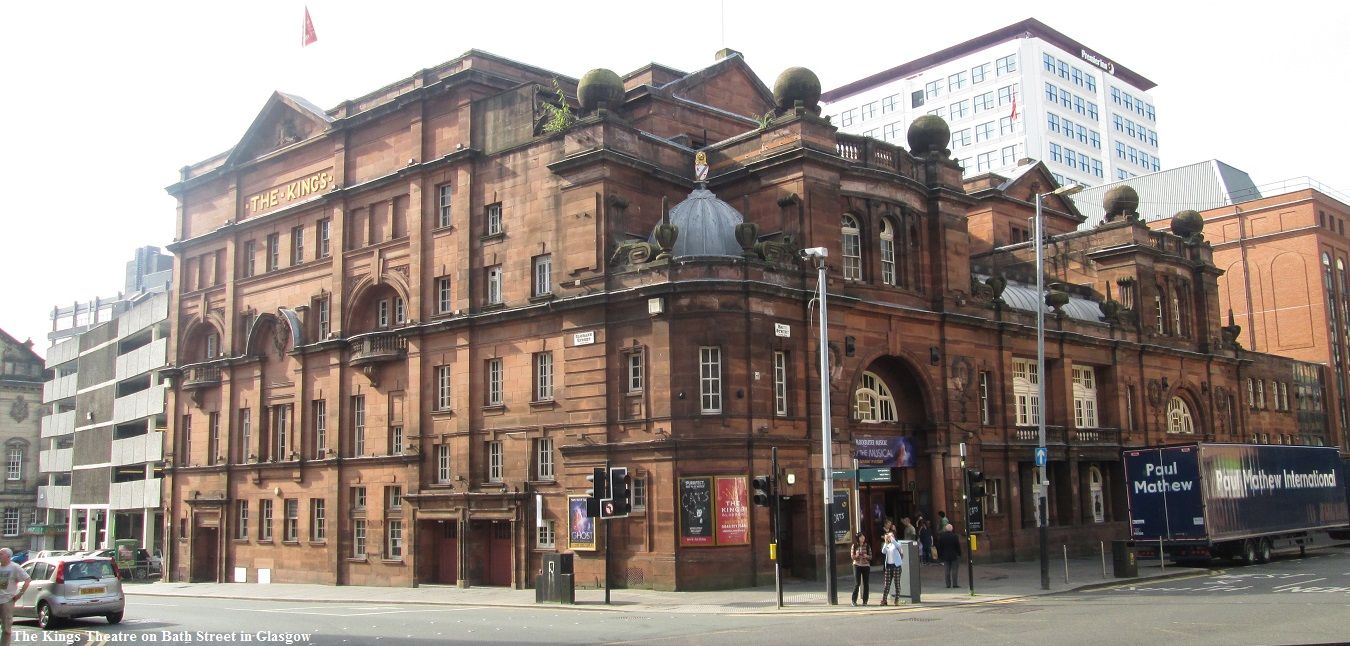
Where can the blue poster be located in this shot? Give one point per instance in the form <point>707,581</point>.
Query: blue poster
<point>883,451</point>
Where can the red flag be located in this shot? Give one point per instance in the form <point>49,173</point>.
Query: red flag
<point>309,36</point>
<point>1014,109</point>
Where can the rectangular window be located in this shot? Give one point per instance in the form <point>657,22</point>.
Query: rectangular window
<point>1065,99</point>
<point>710,379</point>
<point>494,285</point>
<point>400,311</point>
<point>281,430</point>
<point>494,219</point>
<point>956,81</point>
<point>443,388</point>
<point>320,414</point>
<point>543,275</point>
<point>984,162</point>
<point>495,461</point>
<point>212,438</point>
<point>1026,395</point>
<point>11,521</point>
<point>847,117</point>
<point>916,98</point>
<point>1006,65</point>
<point>245,434</point>
<point>984,102</point>
<point>241,520</point>
<point>1129,408</point>
<point>396,439</point>
<point>961,137</point>
<point>265,519</point>
<point>544,458</point>
<point>1005,126</point>
<point>978,72</point>
<point>1056,153</point>
<point>984,131</point>
<point>382,313</point>
<point>358,499</point>
<point>543,376</point>
<point>325,237</point>
<point>986,414</point>
<point>1009,155</point>
<point>359,538</point>
<point>393,498</point>
<point>443,295</point>
<point>1049,62</point>
<point>297,245</point>
<point>959,110</point>
<point>494,382</point>
<point>867,111</point>
<point>250,252</point>
<point>1077,76</point>
<point>318,524</point>
<point>273,251</point>
<point>1084,397</point>
<point>291,528</point>
<point>359,425</point>
<point>546,539</point>
<point>888,103</point>
<point>932,88</point>
<point>393,548</point>
<point>634,381</point>
<point>780,395</point>
<point>443,195</point>
<point>1051,94</point>
<point>639,493</point>
<point>993,487</point>
<point>443,463</point>
<point>325,318</point>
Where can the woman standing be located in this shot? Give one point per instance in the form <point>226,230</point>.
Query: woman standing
<point>862,565</point>
<point>925,541</point>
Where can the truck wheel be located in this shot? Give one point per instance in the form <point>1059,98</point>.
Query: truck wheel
<point>1263,553</point>
<point>1249,551</point>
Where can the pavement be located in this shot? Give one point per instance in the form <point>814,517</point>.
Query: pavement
<point>994,582</point>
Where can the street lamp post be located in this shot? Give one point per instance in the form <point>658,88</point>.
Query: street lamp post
<point>1043,490</point>
<point>826,460</point>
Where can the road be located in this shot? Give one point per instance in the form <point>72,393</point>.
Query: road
<point>1288,601</point>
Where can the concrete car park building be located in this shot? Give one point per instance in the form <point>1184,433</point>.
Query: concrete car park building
<point>1023,91</point>
<point>102,432</point>
<point>408,327</point>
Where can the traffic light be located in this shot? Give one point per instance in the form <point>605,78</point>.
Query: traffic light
<point>620,500</point>
<point>597,491</point>
<point>761,490</point>
<point>976,483</point>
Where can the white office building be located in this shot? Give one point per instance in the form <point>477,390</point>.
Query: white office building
<point>1022,91</point>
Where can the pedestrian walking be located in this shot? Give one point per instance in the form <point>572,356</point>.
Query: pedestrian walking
<point>925,541</point>
<point>894,559</point>
<point>10,591</point>
<point>911,534</point>
<point>862,565</point>
<point>949,551</point>
<point>942,521</point>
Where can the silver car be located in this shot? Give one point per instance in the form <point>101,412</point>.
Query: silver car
<point>67,587</point>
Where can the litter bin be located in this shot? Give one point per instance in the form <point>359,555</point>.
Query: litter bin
<point>1123,559</point>
<point>555,581</point>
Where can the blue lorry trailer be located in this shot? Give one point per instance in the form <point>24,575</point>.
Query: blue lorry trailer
<point>1238,501</point>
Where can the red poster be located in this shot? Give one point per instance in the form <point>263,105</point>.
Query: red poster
<point>733,510</point>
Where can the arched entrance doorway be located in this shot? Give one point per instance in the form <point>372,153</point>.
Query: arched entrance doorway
<point>890,432</point>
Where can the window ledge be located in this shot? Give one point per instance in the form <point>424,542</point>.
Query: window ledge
<point>546,548</point>
<point>295,543</point>
<point>357,559</point>
<point>493,306</point>
<point>446,412</point>
<point>445,229</point>
<point>542,298</point>
<point>543,404</point>
<point>240,541</point>
<point>493,237</point>
<point>264,541</point>
<point>322,543</point>
<point>397,561</point>
<point>494,408</point>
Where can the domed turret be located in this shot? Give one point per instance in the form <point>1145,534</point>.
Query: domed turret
<point>706,224</point>
<point>1121,201</point>
<point>1187,223</point>
<point>797,84</point>
<point>928,133</point>
<point>600,86</point>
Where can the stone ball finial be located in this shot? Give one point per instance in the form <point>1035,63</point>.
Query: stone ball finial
<point>928,133</point>
<point>796,84</point>
<point>1121,200</point>
<point>1187,223</point>
<point>600,85</point>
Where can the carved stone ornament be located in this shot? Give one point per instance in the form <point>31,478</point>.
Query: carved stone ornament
<point>747,233</point>
<point>18,411</point>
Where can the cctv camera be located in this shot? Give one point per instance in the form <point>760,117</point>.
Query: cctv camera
<point>815,252</point>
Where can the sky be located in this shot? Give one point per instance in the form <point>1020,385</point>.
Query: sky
<point>102,102</point>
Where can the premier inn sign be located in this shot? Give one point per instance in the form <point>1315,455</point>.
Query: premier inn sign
<point>288,193</point>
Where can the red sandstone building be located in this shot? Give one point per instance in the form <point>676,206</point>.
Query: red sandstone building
<point>408,327</point>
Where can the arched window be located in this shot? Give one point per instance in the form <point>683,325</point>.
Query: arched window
<point>1095,491</point>
<point>887,251</point>
<point>852,251</point>
<point>872,402</point>
<point>1179,419</point>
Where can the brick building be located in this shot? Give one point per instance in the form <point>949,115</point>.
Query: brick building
<point>408,327</point>
<point>21,376</point>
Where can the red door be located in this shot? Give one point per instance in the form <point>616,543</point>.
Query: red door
<point>499,553</point>
<point>447,552</point>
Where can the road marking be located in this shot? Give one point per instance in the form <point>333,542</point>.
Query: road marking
<point>1290,585</point>
<point>353,611</point>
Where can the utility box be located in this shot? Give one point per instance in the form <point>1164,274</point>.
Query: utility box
<point>555,582</point>
<point>911,579</point>
<point>1124,559</point>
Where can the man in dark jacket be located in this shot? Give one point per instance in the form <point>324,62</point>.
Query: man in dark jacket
<point>949,551</point>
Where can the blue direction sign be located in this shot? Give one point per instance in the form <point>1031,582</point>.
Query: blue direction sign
<point>1042,456</point>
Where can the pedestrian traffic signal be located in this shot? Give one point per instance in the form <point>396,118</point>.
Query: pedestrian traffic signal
<point>976,478</point>
<point>761,490</point>
<point>597,491</point>
<point>620,500</point>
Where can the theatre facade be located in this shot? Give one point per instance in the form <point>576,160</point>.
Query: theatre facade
<point>407,328</point>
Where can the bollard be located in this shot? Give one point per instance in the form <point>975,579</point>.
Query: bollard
<point>1102,545</point>
<point>1066,564</point>
<point>1162,558</point>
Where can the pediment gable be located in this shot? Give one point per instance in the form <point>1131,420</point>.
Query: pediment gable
<point>284,120</point>
<point>729,84</point>
<point>1036,178</point>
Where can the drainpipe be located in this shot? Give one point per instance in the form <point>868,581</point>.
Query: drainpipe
<point>1246,278</point>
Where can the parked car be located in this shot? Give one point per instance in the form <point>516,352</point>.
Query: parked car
<point>68,587</point>
<point>20,556</point>
<point>46,554</point>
